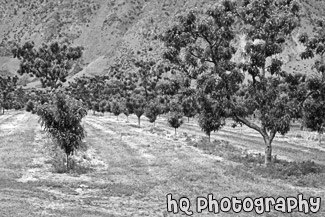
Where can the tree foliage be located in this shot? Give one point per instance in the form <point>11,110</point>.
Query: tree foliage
<point>7,88</point>
<point>116,108</point>
<point>211,117</point>
<point>139,104</point>
<point>202,45</point>
<point>175,120</point>
<point>152,111</point>
<point>314,107</point>
<point>189,106</point>
<point>50,63</point>
<point>62,120</point>
<point>30,106</point>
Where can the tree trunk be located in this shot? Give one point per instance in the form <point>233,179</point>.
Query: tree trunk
<point>154,123</point>
<point>268,151</point>
<point>93,112</point>
<point>175,131</point>
<point>268,137</point>
<point>320,138</point>
<point>188,119</point>
<point>209,137</point>
<point>139,121</point>
<point>127,119</point>
<point>116,117</point>
<point>67,162</point>
<point>301,127</point>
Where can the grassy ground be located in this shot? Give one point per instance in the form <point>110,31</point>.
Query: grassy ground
<point>133,169</point>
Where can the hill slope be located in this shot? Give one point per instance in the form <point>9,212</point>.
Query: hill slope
<point>109,29</point>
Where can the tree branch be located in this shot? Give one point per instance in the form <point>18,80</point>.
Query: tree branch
<point>249,124</point>
<point>272,135</point>
<point>196,56</point>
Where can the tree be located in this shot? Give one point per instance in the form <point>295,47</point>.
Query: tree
<point>102,106</point>
<point>95,106</point>
<point>62,120</point>
<point>202,45</point>
<point>126,107</point>
<point>19,98</point>
<point>30,106</point>
<point>7,87</point>
<point>314,115</point>
<point>211,117</point>
<point>108,107</point>
<point>189,107</point>
<point>51,63</point>
<point>82,89</point>
<point>116,109</point>
<point>152,111</point>
<point>175,120</point>
<point>138,106</point>
<point>314,107</point>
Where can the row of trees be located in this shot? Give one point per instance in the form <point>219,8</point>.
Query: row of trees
<point>202,72</point>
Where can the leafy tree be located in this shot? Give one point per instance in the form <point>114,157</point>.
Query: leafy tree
<point>30,106</point>
<point>314,115</point>
<point>51,63</point>
<point>108,107</point>
<point>7,87</point>
<point>19,98</point>
<point>314,107</point>
<point>62,120</point>
<point>81,89</point>
<point>202,45</point>
<point>95,106</point>
<point>175,120</point>
<point>126,107</point>
<point>152,111</point>
<point>116,108</point>
<point>102,106</point>
<point>138,106</point>
<point>189,107</point>
<point>211,117</point>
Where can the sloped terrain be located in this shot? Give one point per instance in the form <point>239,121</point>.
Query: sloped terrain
<point>113,29</point>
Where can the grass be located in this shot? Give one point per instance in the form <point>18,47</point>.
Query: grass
<point>251,166</point>
<point>139,170</point>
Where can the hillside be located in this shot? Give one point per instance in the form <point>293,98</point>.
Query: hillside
<point>111,29</point>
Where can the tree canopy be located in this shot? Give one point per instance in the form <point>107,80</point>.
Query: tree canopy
<point>50,63</point>
<point>203,46</point>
